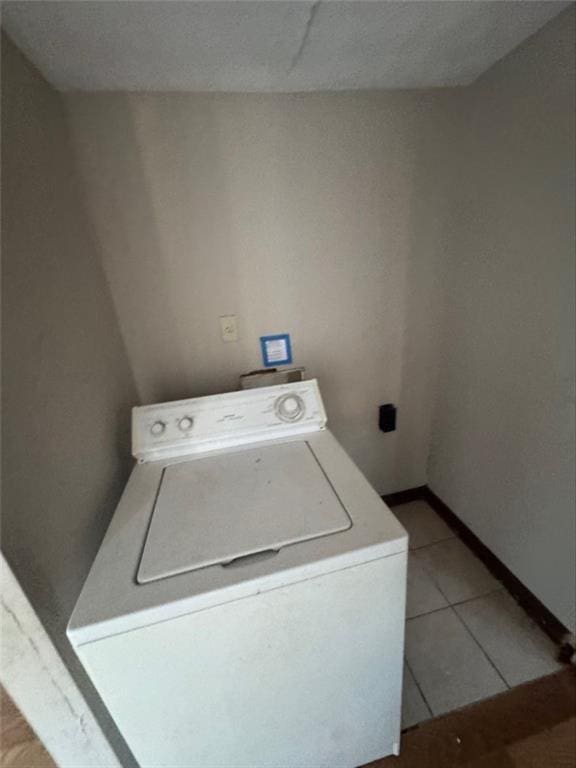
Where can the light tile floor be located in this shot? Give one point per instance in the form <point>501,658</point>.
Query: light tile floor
<point>466,637</point>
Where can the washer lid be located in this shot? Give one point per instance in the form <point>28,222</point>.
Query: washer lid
<point>219,509</point>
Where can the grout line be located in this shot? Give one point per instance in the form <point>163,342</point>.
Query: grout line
<point>451,605</point>
<point>424,699</point>
<point>499,590</point>
<point>454,605</point>
<point>522,595</point>
<point>432,579</point>
<point>429,613</point>
<point>469,632</point>
<point>436,583</point>
<point>432,543</point>
<point>467,628</point>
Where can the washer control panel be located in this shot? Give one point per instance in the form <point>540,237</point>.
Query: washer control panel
<point>184,424</point>
<point>158,428</point>
<point>219,421</point>
<point>290,407</point>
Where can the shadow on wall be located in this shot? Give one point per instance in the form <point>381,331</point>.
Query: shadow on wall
<point>291,211</point>
<point>126,226</point>
<point>423,294</point>
<point>166,211</point>
<point>67,387</point>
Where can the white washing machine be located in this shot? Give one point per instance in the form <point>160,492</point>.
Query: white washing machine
<point>246,607</point>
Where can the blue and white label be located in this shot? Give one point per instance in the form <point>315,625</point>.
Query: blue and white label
<point>276,350</point>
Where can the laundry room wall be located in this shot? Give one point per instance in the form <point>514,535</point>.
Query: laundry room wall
<point>502,449</point>
<point>67,388</point>
<point>298,213</point>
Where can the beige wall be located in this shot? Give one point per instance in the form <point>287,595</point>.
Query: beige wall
<point>298,213</point>
<point>66,386</point>
<point>503,440</point>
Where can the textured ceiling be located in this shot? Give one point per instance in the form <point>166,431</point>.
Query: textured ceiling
<point>269,45</point>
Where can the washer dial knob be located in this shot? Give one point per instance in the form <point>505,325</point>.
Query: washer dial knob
<point>158,428</point>
<point>290,407</point>
<point>185,424</point>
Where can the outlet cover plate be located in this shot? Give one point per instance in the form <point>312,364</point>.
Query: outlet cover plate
<point>229,328</point>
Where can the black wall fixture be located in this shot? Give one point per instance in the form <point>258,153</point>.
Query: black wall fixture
<point>387,417</point>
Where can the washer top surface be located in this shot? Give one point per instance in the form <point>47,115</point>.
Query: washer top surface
<point>221,509</point>
<point>233,495</point>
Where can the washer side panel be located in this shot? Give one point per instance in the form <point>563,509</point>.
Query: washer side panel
<point>308,674</point>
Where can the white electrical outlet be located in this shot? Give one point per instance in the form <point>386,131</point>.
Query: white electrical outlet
<point>229,328</point>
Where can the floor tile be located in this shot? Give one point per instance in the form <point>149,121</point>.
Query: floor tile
<point>447,663</point>
<point>414,708</point>
<point>423,595</point>
<point>423,524</point>
<point>516,645</point>
<point>458,573</point>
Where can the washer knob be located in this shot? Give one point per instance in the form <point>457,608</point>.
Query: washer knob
<point>157,428</point>
<point>290,407</point>
<point>185,423</point>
